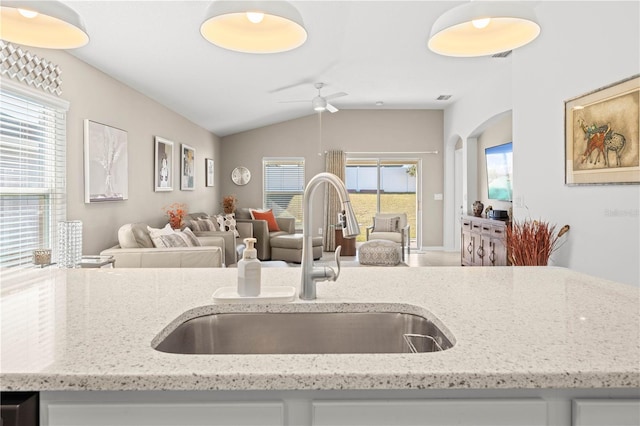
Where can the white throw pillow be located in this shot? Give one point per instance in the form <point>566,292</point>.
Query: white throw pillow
<point>156,233</point>
<point>227,222</point>
<point>191,239</point>
<point>386,224</point>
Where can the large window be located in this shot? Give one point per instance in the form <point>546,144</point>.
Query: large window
<point>385,185</point>
<point>284,187</point>
<point>32,172</point>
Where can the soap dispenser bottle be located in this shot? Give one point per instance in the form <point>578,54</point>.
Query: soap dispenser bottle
<point>249,270</point>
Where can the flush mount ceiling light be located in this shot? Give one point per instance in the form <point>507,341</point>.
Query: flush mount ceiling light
<point>254,26</point>
<point>481,28</point>
<point>49,24</point>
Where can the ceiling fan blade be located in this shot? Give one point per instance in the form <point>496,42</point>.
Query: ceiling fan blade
<point>336,95</point>
<point>288,102</point>
<point>331,108</point>
<point>302,82</point>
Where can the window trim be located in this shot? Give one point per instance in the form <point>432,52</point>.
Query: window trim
<point>36,95</point>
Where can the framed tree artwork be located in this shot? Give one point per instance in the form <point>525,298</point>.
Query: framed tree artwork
<point>208,166</point>
<point>163,165</point>
<point>602,135</point>
<point>105,163</point>
<point>188,168</point>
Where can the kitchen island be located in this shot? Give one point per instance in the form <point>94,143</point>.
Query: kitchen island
<point>541,342</point>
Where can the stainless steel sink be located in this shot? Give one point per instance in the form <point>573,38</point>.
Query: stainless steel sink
<point>305,333</point>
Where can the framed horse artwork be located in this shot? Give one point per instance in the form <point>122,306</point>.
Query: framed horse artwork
<point>602,130</point>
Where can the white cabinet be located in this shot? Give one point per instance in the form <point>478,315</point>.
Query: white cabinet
<point>606,412</point>
<point>458,412</point>
<point>164,414</point>
<point>427,407</point>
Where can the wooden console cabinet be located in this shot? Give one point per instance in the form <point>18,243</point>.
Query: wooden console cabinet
<point>348,244</point>
<point>483,242</point>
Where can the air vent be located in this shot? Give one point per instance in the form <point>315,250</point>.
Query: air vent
<point>443,97</point>
<point>502,54</point>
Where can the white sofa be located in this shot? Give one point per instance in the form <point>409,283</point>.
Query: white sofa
<point>136,250</point>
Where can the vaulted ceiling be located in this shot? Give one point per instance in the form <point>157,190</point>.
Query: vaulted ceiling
<point>376,51</point>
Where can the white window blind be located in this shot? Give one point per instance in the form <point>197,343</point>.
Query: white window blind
<point>32,174</point>
<point>284,187</point>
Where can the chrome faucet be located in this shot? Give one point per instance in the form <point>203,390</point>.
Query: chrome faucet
<point>350,228</point>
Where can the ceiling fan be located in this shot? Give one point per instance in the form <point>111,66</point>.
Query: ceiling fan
<point>319,103</point>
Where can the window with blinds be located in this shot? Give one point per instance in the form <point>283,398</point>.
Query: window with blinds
<point>284,187</point>
<point>32,173</point>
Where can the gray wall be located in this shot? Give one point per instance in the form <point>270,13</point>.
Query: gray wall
<point>353,131</point>
<point>96,96</point>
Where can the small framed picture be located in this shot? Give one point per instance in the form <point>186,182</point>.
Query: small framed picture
<point>602,135</point>
<point>188,168</point>
<point>163,168</point>
<point>208,166</point>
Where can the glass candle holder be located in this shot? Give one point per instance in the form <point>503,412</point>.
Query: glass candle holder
<point>69,244</point>
<point>42,257</point>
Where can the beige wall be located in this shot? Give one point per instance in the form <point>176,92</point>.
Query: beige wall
<point>361,131</point>
<point>496,134</point>
<point>96,96</point>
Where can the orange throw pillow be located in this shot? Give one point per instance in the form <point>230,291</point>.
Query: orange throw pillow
<point>268,216</point>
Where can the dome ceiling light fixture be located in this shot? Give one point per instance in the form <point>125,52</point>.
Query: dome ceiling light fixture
<point>482,28</point>
<point>254,26</point>
<point>47,24</point>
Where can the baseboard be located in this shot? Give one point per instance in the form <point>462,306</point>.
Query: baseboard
<point>432,248</point>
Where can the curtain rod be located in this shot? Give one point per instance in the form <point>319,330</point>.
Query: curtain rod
<point>392,153</point>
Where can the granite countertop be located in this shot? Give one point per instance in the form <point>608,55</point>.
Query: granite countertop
<point>91,329</point>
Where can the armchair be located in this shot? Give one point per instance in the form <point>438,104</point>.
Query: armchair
<point>261,231</point>
<point>391,227</point>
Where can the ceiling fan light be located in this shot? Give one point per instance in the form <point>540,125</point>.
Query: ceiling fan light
<point>47,24</point>
<point>234,25</point>
<point>510,25</point>
<point>319,104</point>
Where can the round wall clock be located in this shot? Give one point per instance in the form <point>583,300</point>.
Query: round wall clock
<point>241,176</point>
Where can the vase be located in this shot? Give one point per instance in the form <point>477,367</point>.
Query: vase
<point>175,222</point>
<point>69,243</point>
<point>478,207</point>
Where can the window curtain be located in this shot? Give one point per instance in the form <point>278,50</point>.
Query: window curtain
<point>334,163</point>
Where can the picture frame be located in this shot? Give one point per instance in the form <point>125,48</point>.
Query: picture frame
<point>106,175</point>
<point>187,168</point>
<point>209,171</point>
<point>602,133</point>
<point>163,165</point>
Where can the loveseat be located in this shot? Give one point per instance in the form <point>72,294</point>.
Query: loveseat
<point>261,232</point>
<point>136,249</point>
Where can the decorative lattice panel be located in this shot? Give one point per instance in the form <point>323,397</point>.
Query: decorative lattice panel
<point>26,67</point>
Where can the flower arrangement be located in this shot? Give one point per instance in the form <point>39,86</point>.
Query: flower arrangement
<point>176,213</point>
<point>530,243</point>
<point>229,204</point>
